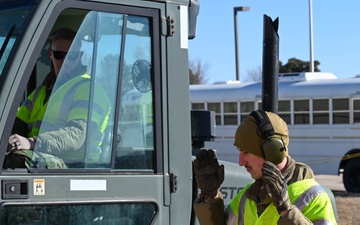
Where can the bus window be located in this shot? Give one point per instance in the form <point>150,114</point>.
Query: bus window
<point>245,109</point>
<point>285,110</point>
<point>301,112</point>
<point>356,105</point>
<point>230,113</point>
<point>216,107</point>
<point>341,111</point>
<point>321,111</point>
<point>198,106</point>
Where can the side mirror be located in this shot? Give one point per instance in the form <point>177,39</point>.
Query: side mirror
<point>194,8</point>
<point>202,127</point>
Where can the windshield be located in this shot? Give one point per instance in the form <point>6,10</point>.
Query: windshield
<point>12,18</point>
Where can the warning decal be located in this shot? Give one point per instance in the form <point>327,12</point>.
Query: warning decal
<point>39,187</point>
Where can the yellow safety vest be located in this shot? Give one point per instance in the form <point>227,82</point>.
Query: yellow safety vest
<point>307,195</point>
<point>32,111</point>
<point>70,102</point>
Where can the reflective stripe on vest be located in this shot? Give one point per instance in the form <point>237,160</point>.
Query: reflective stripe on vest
<point>306,197</point>
<point>323,222</point>
<point>71,108</point>
<point>59,102</point>
<point>241,212</point>
<point>71,102</point>
<point>232,211</point>
<point>68,102</point>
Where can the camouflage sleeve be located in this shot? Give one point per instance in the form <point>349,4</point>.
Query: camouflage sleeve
<point>70,138</point>
<point>210,213</point>
<point>294,216</point>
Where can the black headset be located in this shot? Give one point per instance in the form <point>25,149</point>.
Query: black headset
<point>273,148</point>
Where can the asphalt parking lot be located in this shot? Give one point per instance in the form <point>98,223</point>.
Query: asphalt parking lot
<point>333,182</point>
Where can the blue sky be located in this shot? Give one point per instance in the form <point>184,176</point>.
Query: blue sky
<point>336,35</point>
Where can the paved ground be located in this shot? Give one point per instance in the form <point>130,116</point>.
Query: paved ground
<point>331,181</point>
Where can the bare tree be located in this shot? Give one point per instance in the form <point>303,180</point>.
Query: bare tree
<point>254,75</point>
<point>197,72</point>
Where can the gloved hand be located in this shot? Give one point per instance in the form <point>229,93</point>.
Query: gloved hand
<point>274,179</point>
<point>209,174</point>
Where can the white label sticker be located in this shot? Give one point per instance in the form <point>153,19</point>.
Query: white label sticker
<point>88,185</point>
<point>184,23</point>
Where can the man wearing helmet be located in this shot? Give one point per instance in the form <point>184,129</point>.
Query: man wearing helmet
<point>284,191</point>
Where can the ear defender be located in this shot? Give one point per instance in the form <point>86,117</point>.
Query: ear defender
<point>273,148</point>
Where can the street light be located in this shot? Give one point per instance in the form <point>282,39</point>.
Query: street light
<point>236,9</point>
<point>311,38</point>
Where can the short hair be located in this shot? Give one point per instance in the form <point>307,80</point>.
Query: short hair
<point>63,34</point>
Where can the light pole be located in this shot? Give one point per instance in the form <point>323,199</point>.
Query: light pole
<point>311,38</point>
<point>236,9</point>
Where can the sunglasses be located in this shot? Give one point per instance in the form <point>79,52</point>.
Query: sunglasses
<point>60,55</point>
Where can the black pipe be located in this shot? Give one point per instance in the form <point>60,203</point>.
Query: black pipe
<point>270,68</point>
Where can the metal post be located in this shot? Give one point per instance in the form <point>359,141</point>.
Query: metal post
<point>311,38</point>
<point>270,68</point>
<point>236,9</point>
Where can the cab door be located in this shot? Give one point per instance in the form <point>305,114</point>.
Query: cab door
<point>131,182</point>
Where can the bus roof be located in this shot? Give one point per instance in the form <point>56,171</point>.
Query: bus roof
<point>325,88</point>
<point>303,76</point>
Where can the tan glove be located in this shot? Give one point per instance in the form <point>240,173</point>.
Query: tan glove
<point>209,174</point>
<point>274,179</point>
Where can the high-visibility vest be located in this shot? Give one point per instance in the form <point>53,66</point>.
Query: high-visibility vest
<point>32,110</point>
<point>307,195</point>
<point>71,101</point>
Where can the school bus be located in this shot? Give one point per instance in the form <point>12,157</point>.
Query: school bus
<point>321,110</point>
